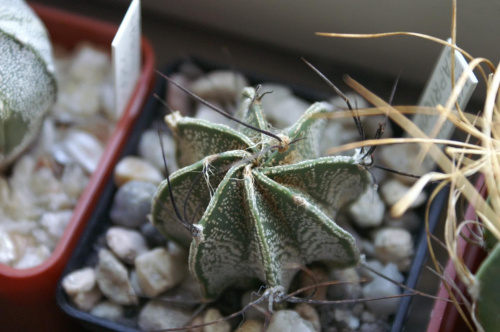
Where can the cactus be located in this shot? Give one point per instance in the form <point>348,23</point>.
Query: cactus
<point>488,291</point>
<point>27,82</point>
<point>263,203</point>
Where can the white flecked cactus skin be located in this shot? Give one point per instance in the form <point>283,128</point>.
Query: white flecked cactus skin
<point>27,81</point>
<point>260,207</point>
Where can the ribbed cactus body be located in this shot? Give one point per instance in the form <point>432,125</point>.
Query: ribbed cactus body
<point>27,82</point>
<point>260,207</point>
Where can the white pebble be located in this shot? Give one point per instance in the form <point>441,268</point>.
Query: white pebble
<point>289,321</point>
<point>108,310</point>
<point>368,317</point>
<point>8,252</point>
<point>84,148</point>
<point>85,301</point>
<point>331,137</point>
<point>401,157</point>
<point>33,256</point>
<point>307,312</point>
<point>156,315</point>
<point>204,112</point>
<point>77,99</point>
<point>89,64</point>
<point>393,191</point>
<point>374,265</point>
<point>158,271</point>
<point>198,320</point>
<point>126,244</point>
<point>47,138</point>
<point>368,210</point>
<point>55,222</point>
<point>25,227</point>
<point>381,287</point>
<point>277,92</point>
<point>79,281</point>
<point>394,245</point>
<point>107,100</point>
<point>43,182</point>
<point>349,286</point>
<point>250,325</point>
<point>367,248</point>
<point>211,315</point>
<point>177,99</point>
<point>43,237</point>
<point>135,283</point>
<point>112,278</point>
<point>55,201</point>
<point>150,149</point>
<point>346,318</point>
<point>58,152</point>
<point>220,85</point>
<point>22,171</point>
<point>133,168</point>
<point>285,112</point>
<point>356,101</point>
<point>74,180</point>
<point>81,287</point>
<point>271,105</point>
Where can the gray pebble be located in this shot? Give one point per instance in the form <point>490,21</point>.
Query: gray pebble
<point>153,236</point>
<point>289,321</point>
<point>132,204</point>
<point>108,310</point>
<point>125,243</point>
<point>151,150</point>
<point>159,315</point>
<point>113,281</point>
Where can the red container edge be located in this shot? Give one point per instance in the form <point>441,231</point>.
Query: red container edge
<point>445,316</point>
<point>33,285</point>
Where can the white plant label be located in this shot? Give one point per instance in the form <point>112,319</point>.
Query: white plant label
<point>437,92</point>
<point>126,56</point>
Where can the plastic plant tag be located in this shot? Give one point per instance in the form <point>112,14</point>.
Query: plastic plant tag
<point>126,56</point>
<point>437,92</point>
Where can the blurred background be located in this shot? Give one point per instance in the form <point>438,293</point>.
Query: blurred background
<point>269,37</point>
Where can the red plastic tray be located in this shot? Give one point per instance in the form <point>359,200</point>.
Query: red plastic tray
<point>445,316</point>
<point>27,296</point>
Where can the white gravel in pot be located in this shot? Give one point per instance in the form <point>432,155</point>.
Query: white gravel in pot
<point>38,196</point>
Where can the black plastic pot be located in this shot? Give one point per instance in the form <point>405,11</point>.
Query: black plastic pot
<point>86,254</point>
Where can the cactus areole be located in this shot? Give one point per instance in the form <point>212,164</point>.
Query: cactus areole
<point>257,207</point>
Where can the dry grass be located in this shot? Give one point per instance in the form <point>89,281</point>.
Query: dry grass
<point>458,161</point>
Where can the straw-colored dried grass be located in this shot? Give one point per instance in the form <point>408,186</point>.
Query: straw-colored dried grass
<point>457,162</point>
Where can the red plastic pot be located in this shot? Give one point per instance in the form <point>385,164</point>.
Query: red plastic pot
<point>445,316</point>
<point>27,296</point>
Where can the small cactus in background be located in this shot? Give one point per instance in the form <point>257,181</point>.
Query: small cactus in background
<point>257,204</point>
<point>27,82</point>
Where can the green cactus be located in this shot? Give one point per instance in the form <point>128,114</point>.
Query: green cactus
<point>262,205</point>
<point>488,291</point>
<point>27,81</point>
